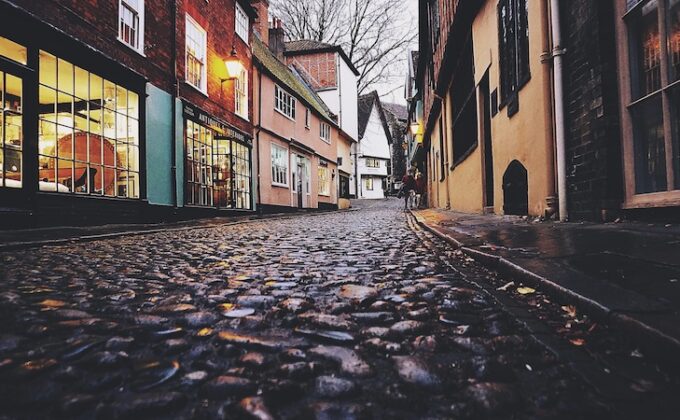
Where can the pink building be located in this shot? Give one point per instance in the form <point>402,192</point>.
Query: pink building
<point>296,135</point>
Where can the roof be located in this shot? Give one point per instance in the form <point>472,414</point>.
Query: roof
<point>365,108</point>
<point>398,110</point>
<point>310,46</point>
<point>289,79</point>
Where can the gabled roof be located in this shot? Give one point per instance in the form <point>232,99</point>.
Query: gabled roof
<point>310,46</point>
<point>365,108</point>
<point>290,80</point>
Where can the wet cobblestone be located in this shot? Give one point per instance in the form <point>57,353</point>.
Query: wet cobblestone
<point>343,315</point>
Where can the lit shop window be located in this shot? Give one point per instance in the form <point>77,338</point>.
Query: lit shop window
<point>13,51</point>
<point>131,23</point>
<point>196,53</point>
<point>88,132</point>
<point>11,117</point>
<point>324,181</point>
<point>199,165</point>
<point>369,184</point>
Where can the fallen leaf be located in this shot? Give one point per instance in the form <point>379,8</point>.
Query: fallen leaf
<point>636,353</point>
<point>570,310</point>
<point>525,290</point>
<point>529,368</point>
<point>592,328</point>
<point>577,341</point>
<point>506,286</point>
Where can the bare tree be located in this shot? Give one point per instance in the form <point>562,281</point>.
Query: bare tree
<point>374,33</point>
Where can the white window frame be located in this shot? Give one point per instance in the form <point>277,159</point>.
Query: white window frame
<point>278,171</point>
<point>139,10</point>
<point>204,71</point>
<point>368,181</point>
<point>241,23</point>
<point>324,187</point>
<point>284,103</point>
<point>241,95</point>
<point>325,132</point>
<point>373,160</point>
<point>307,119</point>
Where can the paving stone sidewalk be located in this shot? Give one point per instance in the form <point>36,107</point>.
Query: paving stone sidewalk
<point>628,271</point>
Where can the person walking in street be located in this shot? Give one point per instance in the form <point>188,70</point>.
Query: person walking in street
<point>409,185</point>
<point>420,190</point>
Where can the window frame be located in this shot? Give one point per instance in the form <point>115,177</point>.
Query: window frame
<point>276,168</point>
<point>238,25</point>
<point>204,69</point>
<point>284,102</point>
<point>241,95</point>
<point>367,181</point>
<point>140,22</point>
<point>370,161</point>
<point>510,83</point>
<point>307,119</point>
<point>325,132</point>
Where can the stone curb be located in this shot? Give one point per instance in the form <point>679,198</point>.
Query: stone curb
<point>654,341</point>
<point>14,246</point>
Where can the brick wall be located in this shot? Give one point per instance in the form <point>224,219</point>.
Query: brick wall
<point>217,19</point>
<point>320,67</point>
<point>95,23</point>
<point>593,140</point>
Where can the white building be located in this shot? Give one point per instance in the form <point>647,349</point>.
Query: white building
<point>334,78</point>
<point>373,157</point>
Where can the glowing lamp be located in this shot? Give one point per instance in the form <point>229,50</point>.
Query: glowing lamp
<point>233,65</point>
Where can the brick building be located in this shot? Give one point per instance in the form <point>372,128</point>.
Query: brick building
<point>123,110</point>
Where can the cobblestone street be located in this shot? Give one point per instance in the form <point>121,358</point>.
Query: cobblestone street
<point>357,314</point>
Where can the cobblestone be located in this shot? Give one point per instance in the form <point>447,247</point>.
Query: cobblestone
<point>342,315</point>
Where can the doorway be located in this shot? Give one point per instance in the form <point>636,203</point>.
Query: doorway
<point>516,190</point>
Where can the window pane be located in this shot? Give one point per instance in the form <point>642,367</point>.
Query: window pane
<point>48,69</point>
<point>133,105</point>
<point>650,150</point>
<point>82,84</point>
<point>647,42</point>
<point>12,50</point>
<point>65,71</point>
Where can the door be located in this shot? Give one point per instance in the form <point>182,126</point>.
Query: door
<point>488,151</point>
<point>300,170</point>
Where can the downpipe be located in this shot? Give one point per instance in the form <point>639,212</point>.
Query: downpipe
<point>558,88</point>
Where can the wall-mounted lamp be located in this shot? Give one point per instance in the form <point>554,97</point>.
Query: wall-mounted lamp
<point>415,128</point>
<point>233,65</point>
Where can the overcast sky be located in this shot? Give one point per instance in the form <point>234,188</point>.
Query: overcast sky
<point>396,84</point>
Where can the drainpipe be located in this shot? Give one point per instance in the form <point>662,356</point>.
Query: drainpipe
<point>175,94</point>
<point>257,139</point>
<point>558,86</point>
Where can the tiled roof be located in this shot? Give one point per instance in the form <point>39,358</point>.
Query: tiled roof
<point>288,79</point>
<point>306,45</point>
<point>398,110</point>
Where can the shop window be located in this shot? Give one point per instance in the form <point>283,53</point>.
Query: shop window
<point>11,131</point>
<point>325,132</point>
<point>368,182</point>
<point>232,181</point>
<point>199,186</point>
<point>131,23</point>
<point>279,166</point>
<point>652,148</point>
<point>284,102</point>
<point>88,132</point>
<point>513,40</point>
<point>241,23</point>
<point>324,181</point>
<point>196,55</point>
<point>13,51</point>
<point>241,94</point>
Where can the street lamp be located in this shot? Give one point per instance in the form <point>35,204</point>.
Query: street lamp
<point>233,65</point>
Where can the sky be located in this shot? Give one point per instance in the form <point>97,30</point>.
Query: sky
<point>396,83</point>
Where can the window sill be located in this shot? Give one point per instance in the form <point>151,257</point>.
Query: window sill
<point>197,89</point>
<point>325,141</point>
<point>282,113</point>
<point>324,195</point>
<point>140,52</point>
<point>276,184</point>
<point>243,117</point>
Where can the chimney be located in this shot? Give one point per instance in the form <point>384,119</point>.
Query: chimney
<point>262,22</point>
<point>277,38</point>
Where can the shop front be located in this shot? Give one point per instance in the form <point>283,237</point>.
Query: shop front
<point>70,141</point>
<point>218,163</point>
